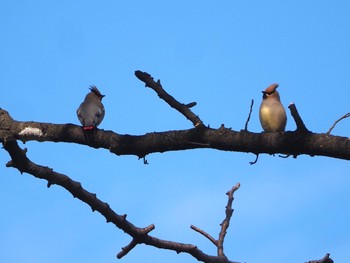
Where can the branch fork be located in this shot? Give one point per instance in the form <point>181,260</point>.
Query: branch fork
<point>219,243</point>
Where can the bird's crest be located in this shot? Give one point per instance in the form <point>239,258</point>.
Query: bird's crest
<point>271,89</point>
<point>95,90</point>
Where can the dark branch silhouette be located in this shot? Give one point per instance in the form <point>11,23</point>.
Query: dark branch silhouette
<point>325,259</point>
<point>298,121</point>
<point>219,243</point>
<point>157,87</point>
<point>20,161</point>
<point>249,115</point>
<point>335,123</point>
<point>289,143</point>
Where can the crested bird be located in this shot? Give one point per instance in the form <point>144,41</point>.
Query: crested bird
<point>91,111</point>
<point>272,114</point>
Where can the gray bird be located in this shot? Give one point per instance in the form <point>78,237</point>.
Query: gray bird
<point>91,111</point>
<point>272,114</point>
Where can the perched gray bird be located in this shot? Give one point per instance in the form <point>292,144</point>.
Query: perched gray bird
<point>272,114</point>
<point>91,111</point>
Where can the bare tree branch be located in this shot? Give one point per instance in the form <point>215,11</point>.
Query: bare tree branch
<point>256,160</point>
<point>249,115</point>
<point>205,234</point>
<point>335,123</point>
<point>20,161</point>
<point>300,141</point>
<point>325,259</point>
<point>219,243</point>
<point>157,87</point>
<point>288,143</point>
<point>298,121</point>
<point>226,223</point>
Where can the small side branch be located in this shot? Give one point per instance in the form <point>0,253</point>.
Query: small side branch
<point>184,109</point>
<point>127,249</point>
<point>256,159</point>
<point>325,259</point>
<point>250,113</point>
<point>298,121</point>
<point>224,225</point>
<point>202,232</point>
<point>335,123</point>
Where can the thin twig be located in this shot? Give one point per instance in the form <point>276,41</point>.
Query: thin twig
<point>256,159</point>
<point>250,112</point>
<point>127,249</point>
<point>335,123</point>
<point>201,231</point>
<point>184,109</point>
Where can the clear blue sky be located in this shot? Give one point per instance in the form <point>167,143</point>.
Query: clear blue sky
<point>220,54</point>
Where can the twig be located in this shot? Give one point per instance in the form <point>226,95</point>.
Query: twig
<point>298,121</point>
<point>184,109</point>
<point>325,259</point>
<point>127,249</point>
<point>250,112</point>
<point>224,225</point>
<point>335,123</point>
<point>20,161</point>
<point>202,232</point>
<point>256,159</point>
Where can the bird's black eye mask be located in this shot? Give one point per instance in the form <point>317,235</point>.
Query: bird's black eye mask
<point>265,94</point>
<point>268,93</point>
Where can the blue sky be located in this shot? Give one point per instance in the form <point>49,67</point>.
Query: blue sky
<point>220,55</point>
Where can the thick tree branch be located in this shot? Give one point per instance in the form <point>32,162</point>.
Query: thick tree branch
<point>301,141</point>
<point>20,161</point>
<point>288,143</point>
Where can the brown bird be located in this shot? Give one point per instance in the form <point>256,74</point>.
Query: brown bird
<point>272,114</point>
<point>91,111</point>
